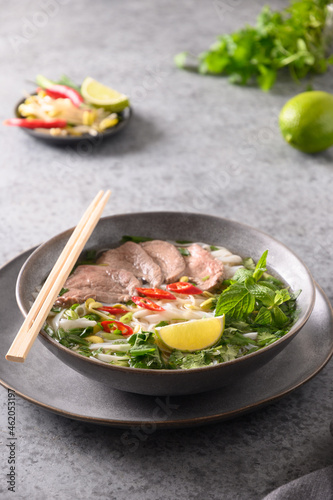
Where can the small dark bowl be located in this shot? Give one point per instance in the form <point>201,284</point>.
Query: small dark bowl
<point>85,139</point>
<point>238,238</point>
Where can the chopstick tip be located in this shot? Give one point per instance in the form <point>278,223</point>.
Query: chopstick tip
<point>16,359</point>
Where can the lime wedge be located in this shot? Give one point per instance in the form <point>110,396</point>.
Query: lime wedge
<point>192,335</point>
<point>101,96</point>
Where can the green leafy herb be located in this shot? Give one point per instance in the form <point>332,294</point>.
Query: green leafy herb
<point>89,258</point>
<point>65,80</point>
<point>184,251</point>
<point>73,337</point>
<point>136,239</point>
<point>162,323</point>
<point>255,301</point>
<point>93,317</point>
<point>144,353</point>
<point>62,291</point>
<point>236,301</point>
<point>179,359</point>
<point>293,38</point>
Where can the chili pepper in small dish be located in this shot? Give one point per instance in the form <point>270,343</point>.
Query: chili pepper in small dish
<point>57,91</point>
<point>35,123</point>
<point>63,92</point>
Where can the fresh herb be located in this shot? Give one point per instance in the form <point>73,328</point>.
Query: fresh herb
<point>185,361</point>
<point>136,239</point>
<point>293,38</point>
<point>255,301</point>
<point>65,80</point>
<point>92,317</point>
<point>85,351</point>
<point>88,259</point>
<point>72,337</point>
<point>184,251</point>
<point>206,357</point>
<point>183,242</point>
<point>162,323</point>
<point>144,352</point>
<point>62,291</point>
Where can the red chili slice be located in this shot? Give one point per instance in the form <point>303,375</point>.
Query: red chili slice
<point>111,325</point>
<point>156,293</point>
<point>147,304</point>
<point>35,123</point>
<point>183,287</point>
<point>113,310</point>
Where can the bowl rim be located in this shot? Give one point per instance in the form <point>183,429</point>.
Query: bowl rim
<point>169,372</point>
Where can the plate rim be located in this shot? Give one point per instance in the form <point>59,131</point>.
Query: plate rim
<point>165,424</point>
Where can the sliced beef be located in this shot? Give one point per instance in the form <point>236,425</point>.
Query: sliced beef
<point>133,258</point>
<point>101,283</point>
<point>201,264</point>
<point>167,257</point>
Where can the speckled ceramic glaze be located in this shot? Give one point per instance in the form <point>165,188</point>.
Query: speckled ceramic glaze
<point>238,238</point>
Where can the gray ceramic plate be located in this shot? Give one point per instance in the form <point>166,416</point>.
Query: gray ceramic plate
<point>240,239</point>
<point>45,381</point>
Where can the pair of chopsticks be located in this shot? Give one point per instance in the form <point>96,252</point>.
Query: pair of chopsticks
<point>41,307</point>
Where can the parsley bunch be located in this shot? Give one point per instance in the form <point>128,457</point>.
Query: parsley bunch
<point>293,38</point>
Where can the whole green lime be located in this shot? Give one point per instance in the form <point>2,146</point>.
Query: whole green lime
<point>306,121</point>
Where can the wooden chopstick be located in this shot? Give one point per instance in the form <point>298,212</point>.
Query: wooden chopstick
<point>37,315</point>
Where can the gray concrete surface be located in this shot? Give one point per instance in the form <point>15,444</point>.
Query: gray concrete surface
<point>195,144</point>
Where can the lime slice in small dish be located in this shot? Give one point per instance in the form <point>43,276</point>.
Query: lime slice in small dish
<point>101,96</point>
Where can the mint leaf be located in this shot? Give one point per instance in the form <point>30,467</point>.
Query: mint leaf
<point>281,296</point>
<point>270,285</point>
<point>242,274</point>
<point>248,263</point>
<point>260,267</point>
<point>261,293</point>
<point>280,319</point>
<point>236,301</point>
<point>264,317</point>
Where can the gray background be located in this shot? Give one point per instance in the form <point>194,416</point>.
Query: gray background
<point>195,144</point>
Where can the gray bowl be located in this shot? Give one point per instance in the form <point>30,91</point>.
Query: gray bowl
<point>238,238</point>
